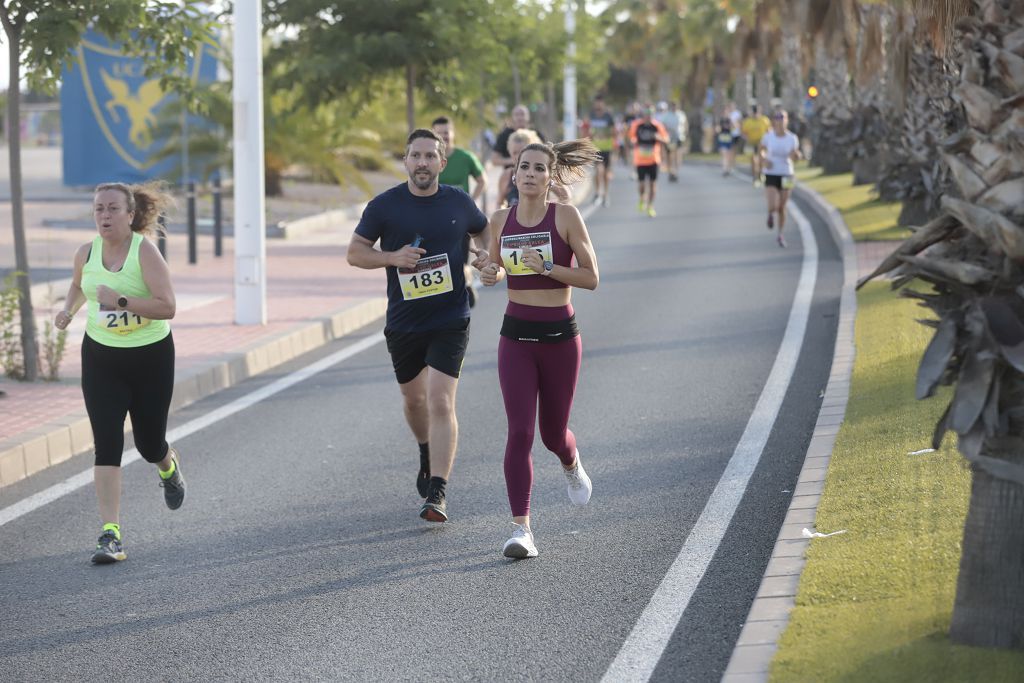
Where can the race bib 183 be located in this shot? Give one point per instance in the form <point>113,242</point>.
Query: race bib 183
<point>512,251</point>
<point>431,276</point>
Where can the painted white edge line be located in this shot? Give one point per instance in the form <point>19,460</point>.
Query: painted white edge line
<point>48,495</point>
<point>643,648</point>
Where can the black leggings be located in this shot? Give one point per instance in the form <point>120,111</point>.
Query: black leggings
<point>122,381</point>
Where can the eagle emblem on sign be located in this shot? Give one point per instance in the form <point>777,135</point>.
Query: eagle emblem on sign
<point>138,106</point>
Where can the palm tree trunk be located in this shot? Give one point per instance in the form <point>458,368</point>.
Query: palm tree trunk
<point>869,130</point>
<point>666,84</point>
<point>792,69</point>
<point>719,84</point>
<point>743,94</point>
<point>763,86</point>
<point>832,113</point>
<point>913,170</point>
<point>989,606</point>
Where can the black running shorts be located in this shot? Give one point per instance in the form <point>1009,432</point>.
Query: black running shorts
<point>774,181</point>
<point>643,172</point>
<point>606,158</point>
<point>443,349</point>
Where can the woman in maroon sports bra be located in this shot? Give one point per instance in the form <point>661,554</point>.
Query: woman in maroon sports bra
<point>534,246</point>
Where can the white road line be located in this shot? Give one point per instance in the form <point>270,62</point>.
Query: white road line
<point>48,495</point>
<point>645,644</point>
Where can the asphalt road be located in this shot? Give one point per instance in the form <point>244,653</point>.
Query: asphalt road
<point>299,552</point>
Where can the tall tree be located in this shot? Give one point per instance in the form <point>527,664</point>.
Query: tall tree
<point>923,74</point>
<point>833,24</point>
<point>975,265</point>
<point>339,47</point>
<point>791,64</point>
<point>40,37</point>
<point>868,129</point>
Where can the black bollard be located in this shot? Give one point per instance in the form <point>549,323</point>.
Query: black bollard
<point>191,196</point>
<point>161,235</point>
<point>218,228</point>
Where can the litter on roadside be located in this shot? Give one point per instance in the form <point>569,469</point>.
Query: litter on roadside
<point>807,533</point>
<point>923,450</point>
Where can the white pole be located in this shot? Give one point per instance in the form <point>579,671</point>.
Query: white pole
<point>250,231</point>
<point>569,79</point>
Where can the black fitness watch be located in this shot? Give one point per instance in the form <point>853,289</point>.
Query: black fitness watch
<point>122,302</point>
<point>548,266</point>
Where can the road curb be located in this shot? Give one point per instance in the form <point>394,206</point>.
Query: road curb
<point>769,614</point>
<point>57,441</point>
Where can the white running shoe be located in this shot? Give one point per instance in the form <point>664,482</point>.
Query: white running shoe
<point>521,545</point>
<point>580,487</point>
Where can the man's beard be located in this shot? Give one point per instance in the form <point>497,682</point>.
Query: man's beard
<point>423,182</point>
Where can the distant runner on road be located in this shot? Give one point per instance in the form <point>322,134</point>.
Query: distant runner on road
<point>779,149</point>
<point>422,227</point>
<point>754,127</point>
<point>462,165</point>
<point>647,137</point>
<point>601,127</point>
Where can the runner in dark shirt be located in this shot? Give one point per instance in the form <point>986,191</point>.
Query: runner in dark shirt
<point>422,226</point>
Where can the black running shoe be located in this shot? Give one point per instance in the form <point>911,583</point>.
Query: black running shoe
<point>423,483</point>
<point>435,509</point>
<point>108,549</point>
<point>174,488</point>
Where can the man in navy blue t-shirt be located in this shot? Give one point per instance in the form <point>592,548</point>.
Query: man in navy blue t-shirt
<point>422,228</point>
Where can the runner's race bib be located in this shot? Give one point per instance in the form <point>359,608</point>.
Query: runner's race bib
<point>512,251</point>
<point>788,182</point>
<point>432,275</point>
<point>645,155</point>
<point>120,322</point>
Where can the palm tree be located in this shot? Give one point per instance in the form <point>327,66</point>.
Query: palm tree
<point>924,75</point>
<point>833,25</point>
<point>972,256</point>
<point>792,18</point>
<point>765,43</point>
<point>868,129</point>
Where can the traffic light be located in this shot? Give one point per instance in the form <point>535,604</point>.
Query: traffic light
<point>812,92</point>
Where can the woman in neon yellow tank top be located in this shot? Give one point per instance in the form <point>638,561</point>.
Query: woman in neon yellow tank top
<point>128,350</point>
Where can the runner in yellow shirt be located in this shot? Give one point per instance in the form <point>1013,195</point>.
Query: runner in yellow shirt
<point>753,128</point>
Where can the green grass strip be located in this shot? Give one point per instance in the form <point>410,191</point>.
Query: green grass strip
<point>868,218</point>
<point>875,603</point>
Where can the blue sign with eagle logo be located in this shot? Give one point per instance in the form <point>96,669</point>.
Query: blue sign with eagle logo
<point>109,110</point>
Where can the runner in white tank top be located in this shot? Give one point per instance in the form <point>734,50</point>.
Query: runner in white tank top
<point>778,150</point>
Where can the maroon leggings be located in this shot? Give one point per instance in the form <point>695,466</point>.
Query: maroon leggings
<point>529,371</point>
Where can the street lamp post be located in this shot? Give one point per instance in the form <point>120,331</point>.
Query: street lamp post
<point>250,232</point>
<point>569,75</point>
